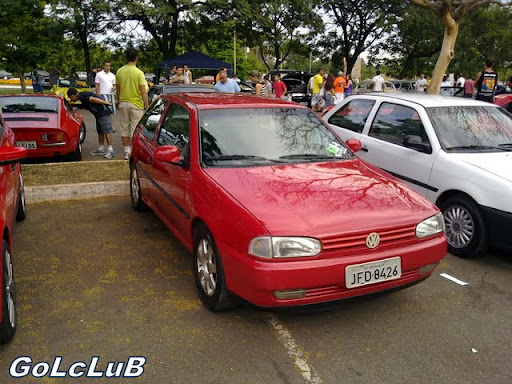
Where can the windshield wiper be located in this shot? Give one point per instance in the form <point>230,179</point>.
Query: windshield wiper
<point>309,156</point>
<point>480,147</point>
<point>505,145</point>
<point>240,157</point>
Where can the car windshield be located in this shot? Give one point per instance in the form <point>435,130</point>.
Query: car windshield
<point>26,104</point>
<point>472,127</point>
<point>265,136</point>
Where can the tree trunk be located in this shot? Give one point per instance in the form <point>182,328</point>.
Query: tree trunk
<point>22,80</point>
<point>451,29</point>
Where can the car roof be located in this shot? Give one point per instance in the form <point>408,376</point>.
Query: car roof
<point>425,100</point>
<point>217,100</point>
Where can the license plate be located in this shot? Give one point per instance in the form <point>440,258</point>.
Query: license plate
<point>27,144</point>
<point>304,103</point>
<point>373,272</point>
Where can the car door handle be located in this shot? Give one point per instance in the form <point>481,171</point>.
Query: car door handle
<point>364,149</point>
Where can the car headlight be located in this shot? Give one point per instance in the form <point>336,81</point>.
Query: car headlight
<point>430,226</point>
<point>279,247</point>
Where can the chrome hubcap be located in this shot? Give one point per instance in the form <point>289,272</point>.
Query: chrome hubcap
<point>460,226</point>
<point>22,194</point>
<point>206,267</point>
<point>135,186</point>
<point>9,289</point>
<point>81,133</point>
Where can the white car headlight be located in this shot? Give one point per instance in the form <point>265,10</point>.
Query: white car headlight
<point>430,226</point>
<point>279,247</point>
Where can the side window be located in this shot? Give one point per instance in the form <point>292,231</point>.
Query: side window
<point>175,129</point>
<point>352,115</point>
<point>151,118</point>
<point>394,122</point>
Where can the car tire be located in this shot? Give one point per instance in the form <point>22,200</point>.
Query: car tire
<point>135,191</point>
<point>209,272</point>
<point>21,210</point>
<point>82,132</point>
<point>77,155</point>
<point>8,320</point>
<point>465,227</point>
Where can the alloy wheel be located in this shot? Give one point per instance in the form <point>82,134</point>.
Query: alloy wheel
<point>460,226</point>
<point>207,267</point>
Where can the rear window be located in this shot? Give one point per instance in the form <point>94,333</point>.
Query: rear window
<point>28,104</point>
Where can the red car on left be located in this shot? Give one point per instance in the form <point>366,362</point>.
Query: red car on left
<point>12,208</point>
<point>45,125</point>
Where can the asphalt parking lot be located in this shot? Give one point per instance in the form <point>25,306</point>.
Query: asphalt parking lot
<point>96,278</point>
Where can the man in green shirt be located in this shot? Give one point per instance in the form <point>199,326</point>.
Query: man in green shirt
<point>132,93</point>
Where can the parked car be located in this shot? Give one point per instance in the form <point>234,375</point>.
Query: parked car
<point>164,89</point>
<point>63,85</point>
<point>504,101</point>
<point>366,87</point>
<point>454,151</point>
<point>297,90</point>
<point>452,91</point>
<point>205,80</point>
<point>45,125</point>
<point>82,75</point>
<point>5,75</point>
<point>274,207</point>
<point>40,72</point>
<point>12,208</point>
<point>404,85</point>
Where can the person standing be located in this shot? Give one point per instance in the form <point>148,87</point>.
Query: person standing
<point>339,87</point>
<point>279,86</point>
<point>217,78</point>
<point>469,88</point>
<point>460,81</point>
<point>486,82</point>
<point>329,89</point>
<point>378,83</point>
<point>91,76</point>
<point>105,83</point>
<point>37,80</point>
<point>318,81</point>
<point>350,85</point>
<point>132,95</point>
<point>100,108</point>
<point>421,84</point>
<point>266,89</point>
<point>226,85</point>
<point>255,77</point>
<point>179,78</point>
<point>186,72</point>
<point>54,76</point>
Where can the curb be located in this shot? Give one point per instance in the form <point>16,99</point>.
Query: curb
<point>61,192</point>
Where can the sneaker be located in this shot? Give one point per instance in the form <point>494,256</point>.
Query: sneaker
<point>126,155</point>
<point>109,154</point>
<point>98,152</point>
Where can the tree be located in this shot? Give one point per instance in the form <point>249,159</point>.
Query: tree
<point>26,35</point>
<point>450,12</point>
<point>84,18</point>
<point>277,25</point>
<point>356,25</point>
<point>160,18</point>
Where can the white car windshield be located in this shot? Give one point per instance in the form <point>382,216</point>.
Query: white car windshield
<point>472,127</point>
<point>241,137</point>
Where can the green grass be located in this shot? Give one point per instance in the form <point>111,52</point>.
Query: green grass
<point>79,172</point>
<point>10,91</point>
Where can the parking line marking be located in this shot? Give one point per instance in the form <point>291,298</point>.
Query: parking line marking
<point>455,280</point>
<point>309,374</point>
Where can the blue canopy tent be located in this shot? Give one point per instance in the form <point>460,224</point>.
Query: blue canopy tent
<point>195,60</point>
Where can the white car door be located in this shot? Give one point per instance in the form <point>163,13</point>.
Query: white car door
<point>397,142</point>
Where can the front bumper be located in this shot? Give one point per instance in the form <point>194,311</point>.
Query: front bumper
<point>499,225</point>
<point>323,279</point>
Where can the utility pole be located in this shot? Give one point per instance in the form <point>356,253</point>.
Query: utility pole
<point>234,51</point>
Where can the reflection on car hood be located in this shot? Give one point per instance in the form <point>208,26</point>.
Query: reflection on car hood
<point>497,163</point>
<point>318,199</point>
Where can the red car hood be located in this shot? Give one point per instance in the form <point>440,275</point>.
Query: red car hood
<point>31,120</point>
<point>320,199</point>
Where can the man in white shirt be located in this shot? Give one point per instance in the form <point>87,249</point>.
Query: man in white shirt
<point>378,83</point>
<point>460,81</point>
<point>179,78</point>
<point>421,84</point>
<point>105,83</point>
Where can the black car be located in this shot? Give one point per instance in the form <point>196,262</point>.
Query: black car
<point>163,89</point>
<point>297,91</point>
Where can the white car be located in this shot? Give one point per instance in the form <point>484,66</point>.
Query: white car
<point>457,152</point>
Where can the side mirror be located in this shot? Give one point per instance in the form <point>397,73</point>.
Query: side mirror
<point>11,155</point>
<point>415,142</point>
<point>354,145</point>
<point>169,154</point>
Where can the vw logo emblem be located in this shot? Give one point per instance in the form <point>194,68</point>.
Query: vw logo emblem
<point>373,240</point>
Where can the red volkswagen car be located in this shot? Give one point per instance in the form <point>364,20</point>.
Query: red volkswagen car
<point>12,208</point>
<point>274,207</point>
<point>45,125</point>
